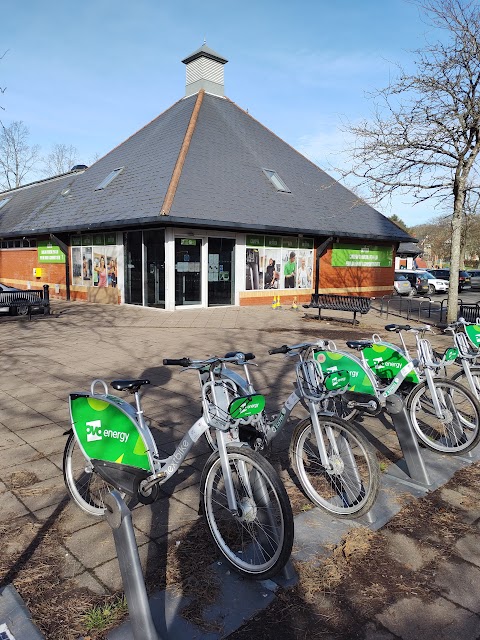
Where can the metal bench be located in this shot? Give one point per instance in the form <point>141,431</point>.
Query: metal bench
<point>355,304</point>
<point>22,302</point>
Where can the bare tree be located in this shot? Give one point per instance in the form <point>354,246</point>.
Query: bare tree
<point>424,136</point>
<point>61,159</point>
<point>17,157</point>
<point>3,89</point>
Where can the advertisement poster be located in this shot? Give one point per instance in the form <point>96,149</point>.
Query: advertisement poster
<point>274,262</point>
<point>354,255</point>
<point>95,265</point>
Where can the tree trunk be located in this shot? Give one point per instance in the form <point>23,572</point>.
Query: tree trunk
<point>459,198</point>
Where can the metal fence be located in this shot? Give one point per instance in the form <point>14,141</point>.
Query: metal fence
<point>424,308</point>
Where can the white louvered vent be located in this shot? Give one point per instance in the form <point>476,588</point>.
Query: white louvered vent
<point>204,70</point>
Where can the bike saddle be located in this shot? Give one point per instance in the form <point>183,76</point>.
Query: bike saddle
<point>359,344</point>
<point>129,385</point>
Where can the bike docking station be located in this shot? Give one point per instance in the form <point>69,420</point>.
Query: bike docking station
<point>158,617</point>
<point>419,471</point>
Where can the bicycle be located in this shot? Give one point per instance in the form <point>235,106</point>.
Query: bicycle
<point>445,415</point>
<point>467,356</point>
<point>244,503</point>
<point>335,465</point>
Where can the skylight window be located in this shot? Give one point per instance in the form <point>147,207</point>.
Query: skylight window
<point>277,182</point>
<point>111,176</point>
<point>4,202</point>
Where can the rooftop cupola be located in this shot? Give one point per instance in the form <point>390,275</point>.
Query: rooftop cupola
<point>204,71</point>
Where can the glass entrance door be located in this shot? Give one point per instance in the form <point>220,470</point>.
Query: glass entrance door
<point>221,264</point>
<point>154,241</point>
<point>133,267</point>
<point>188,268</point>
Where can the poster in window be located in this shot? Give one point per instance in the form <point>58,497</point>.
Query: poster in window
<point>100,277</point>
<point>112,266</point>
<point>77,277</point>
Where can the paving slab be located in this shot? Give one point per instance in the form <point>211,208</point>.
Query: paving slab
<point>14,614</point>
<point>412,619</point>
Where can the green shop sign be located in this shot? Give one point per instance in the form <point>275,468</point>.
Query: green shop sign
<point>255,241</point>
<point>49,253</point>
<point>354,255</point>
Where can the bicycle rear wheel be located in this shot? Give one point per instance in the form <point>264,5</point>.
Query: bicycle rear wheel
<point>86,487</point>
<point>257,540</point>
<point>457,430</point>
<point>349,487</point>
<point>462,379</point>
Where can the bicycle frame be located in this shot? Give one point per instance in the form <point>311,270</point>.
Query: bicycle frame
<point>144,464</point>
<point>313,403</point>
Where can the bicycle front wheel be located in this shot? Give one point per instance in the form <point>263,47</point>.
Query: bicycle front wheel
<point>347,484</point>
<point>256,540</point>
<point>456,430</point>
<point>85,486</point>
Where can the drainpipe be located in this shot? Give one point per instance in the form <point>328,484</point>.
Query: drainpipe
<point>64,248</point>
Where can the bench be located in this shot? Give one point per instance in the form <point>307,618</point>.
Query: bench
<point>22,302</point>
<point>355,304</point>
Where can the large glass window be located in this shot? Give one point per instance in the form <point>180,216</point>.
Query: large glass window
<point>95,260</point>
<point>278,262</point>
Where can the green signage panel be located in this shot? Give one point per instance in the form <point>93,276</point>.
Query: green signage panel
<point>76,241</point>
<point>290,243</point>
<point>49,253</point>
<point>305,243</point>
<point>273,242</point>
<point>255,241</point>
<point>87,240</point>
<point>99,239</point>
<point>354,255</point>
<point>111,238</point>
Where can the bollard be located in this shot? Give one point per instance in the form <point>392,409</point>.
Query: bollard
<point>119,517</point>
<point>407,439</point>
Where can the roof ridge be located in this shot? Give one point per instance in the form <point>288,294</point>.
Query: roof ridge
<point>182,154</point>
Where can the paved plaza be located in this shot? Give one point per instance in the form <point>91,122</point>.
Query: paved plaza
<point>45,359</point>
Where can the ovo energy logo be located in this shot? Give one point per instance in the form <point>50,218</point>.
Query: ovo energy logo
<point>94,432</point>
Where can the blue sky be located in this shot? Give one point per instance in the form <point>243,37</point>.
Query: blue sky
<point>91,73</point>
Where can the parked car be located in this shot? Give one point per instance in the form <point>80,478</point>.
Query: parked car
<point>418,280</point>
<point>436,285</point>
<point>17,311</point>
<point>444,274</point>
<point>402,285</point>
<point>474,278</point>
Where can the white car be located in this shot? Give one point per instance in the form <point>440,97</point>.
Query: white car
<point>435,285</point>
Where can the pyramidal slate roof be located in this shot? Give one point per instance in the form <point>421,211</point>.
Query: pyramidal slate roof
<point>200,164</point>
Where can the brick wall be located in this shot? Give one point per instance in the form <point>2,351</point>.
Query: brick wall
<point>16,270</point>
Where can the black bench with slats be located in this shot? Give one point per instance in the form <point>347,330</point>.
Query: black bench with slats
<point>355,304</point>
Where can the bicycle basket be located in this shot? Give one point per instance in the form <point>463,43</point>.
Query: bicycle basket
<point>216,400</point>
<point>310,380</point>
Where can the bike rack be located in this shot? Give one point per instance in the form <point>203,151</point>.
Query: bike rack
<point>412,458</point>
<point>119,517</point>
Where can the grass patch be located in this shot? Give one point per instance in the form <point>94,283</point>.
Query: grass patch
<point>106,614</point>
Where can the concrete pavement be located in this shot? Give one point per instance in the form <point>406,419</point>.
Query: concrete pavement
<point>47,358</point>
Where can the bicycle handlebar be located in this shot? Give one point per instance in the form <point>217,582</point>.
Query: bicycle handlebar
<point>406,327</point>
<point>178,362</point>
<point>285,348</point>
<point>234,354</point>
<point>282,349</point>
